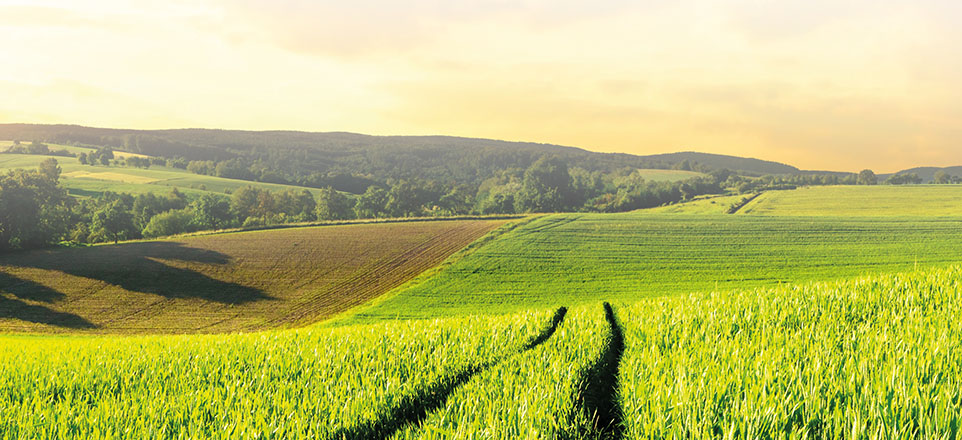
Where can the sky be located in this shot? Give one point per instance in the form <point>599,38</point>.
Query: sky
<point>819,84</point>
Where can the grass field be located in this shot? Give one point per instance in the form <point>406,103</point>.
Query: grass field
<point>656,175</point>
<point>701,205</point>
<point>88,180</point>
<point>877,200</point>
<point>574,258</point>
<point>223,282</point>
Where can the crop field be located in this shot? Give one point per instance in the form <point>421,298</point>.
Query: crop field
<point>876,200</point>
<point>356,383</point>
<point>223,282</point>
<point>872,357</point>
<point>575,258</point>
<point>877,357</point>
<point>87,180</point>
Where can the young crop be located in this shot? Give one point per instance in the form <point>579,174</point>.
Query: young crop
<point>531,395</point>
<point>310,383</point>
<point>878,357</point>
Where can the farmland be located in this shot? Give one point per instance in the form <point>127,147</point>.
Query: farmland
<point>222,282</point>
<point>877,200</point>
<point>874,357</point>
<point>756,325</point>
<point>575,258</point>
<point>87,180</point>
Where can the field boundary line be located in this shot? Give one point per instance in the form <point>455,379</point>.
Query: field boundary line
<point>341,318</point>
<point>738,206</point>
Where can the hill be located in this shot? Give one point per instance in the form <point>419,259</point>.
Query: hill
<point>223,282</point>
<point>579,258</point>
<point>720,161</point>
<point>927,174</point>
<point>468,160</point>
<point>91,180</point>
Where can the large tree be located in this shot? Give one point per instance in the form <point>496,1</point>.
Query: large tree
<point>33,207</point>
<point>867,177</point>
<point>114,221</point>
<point>546,186</point>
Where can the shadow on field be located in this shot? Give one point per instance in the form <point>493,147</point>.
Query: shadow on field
<point>414,409</point>
<point>29,290</point>
<point>135,267</point>
<point>12,308</point>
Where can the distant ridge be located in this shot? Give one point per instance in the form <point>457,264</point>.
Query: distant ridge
<point>927,174</point>
<point>725,161</point>
<point>333,147</point>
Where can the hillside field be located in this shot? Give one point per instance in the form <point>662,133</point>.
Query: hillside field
<point>239,281</point>
<point>88,180</point>
<point>874,200</point>
<point>655,175</point>
<point>575,258</point>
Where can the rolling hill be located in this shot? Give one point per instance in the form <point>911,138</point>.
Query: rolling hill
<point>91,180</point>
<point>240,281</point>
<point>466,159</point>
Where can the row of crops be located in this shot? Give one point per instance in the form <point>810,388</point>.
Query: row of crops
<point>877,357</point>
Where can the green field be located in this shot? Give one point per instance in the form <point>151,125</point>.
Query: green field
<point>241,281</point>
<point>575,258</point>
<point>783,321</point>
<point>701,205</point>
<point>877,200</point>
<point>656,175</point>
<point>88,180</point>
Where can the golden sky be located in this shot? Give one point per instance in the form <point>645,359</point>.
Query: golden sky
<point>820,84</point>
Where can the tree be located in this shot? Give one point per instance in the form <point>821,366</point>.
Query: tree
<point>942,178</point>
<point>114,221</point>
<point>332,205</point>
<point>33,209</point>
<point>372,203</point>
<point>37,148</point>
<point>177,221</point>
<point>50,169</point>
<point>211,212</point>
<point>867,177</point>
<point>82,158</point>
<point>546,186</point>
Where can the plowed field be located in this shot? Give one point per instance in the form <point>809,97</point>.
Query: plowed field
<point>218,283</point>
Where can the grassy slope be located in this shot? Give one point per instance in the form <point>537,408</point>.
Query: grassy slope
<point>880,200</point>
<point>668,175</point>
<point>701,205</point>
<point>223,282</point>
<point>85,180</point>
<point>567,259</point>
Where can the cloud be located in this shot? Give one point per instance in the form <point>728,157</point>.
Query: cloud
<point>375,27</point>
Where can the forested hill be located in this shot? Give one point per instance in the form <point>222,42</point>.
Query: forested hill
<point>720,161</point>
<point>304,154</point>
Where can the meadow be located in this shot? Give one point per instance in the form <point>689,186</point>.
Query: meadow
<point>861,200</point>
<point>240,281</point>
<point>576,258</point>
<point>89,180</point>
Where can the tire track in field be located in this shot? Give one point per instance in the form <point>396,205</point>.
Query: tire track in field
<point>599,399</point>
<point>414,409</point>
